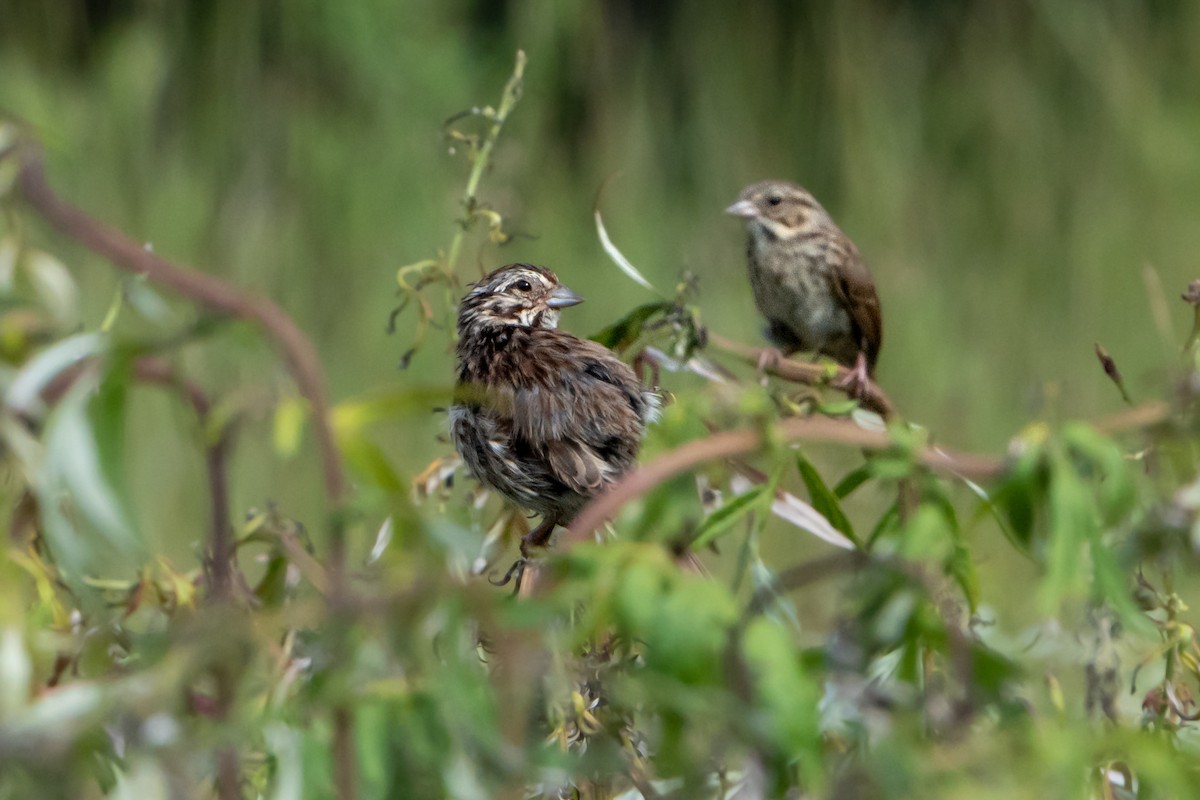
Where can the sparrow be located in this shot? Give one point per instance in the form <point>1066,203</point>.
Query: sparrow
<point>809,280</point>
<point>544,418</point>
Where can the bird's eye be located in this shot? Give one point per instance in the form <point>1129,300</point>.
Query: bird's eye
<point>774,199</point>
<point>523,285</point>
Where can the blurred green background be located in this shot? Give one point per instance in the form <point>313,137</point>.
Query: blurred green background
<point>1009,170</point>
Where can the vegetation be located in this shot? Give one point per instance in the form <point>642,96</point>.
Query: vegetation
<point>243,562</point>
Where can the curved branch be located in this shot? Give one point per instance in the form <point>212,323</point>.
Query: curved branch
<point>298,353</point>
<point>873,399</point>
<point>746,440</point>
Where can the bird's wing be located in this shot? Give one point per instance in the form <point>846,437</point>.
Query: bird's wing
<point>854,288</point>
<point>582,407</point>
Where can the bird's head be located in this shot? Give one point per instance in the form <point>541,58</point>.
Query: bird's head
<point>518,294</point>
<point>779,209</point>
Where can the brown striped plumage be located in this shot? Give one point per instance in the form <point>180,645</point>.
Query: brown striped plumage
<point>808,279</point>
<point>543,417</point>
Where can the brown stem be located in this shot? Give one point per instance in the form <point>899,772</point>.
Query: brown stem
<point>344,771</point>
<point>873,398</point>
<point>209,291</point>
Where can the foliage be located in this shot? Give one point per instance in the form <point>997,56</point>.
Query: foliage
<point>282,667</point>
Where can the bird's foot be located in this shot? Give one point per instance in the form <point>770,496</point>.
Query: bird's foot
<point>769,358</point>
<point>514,573</point>
<point>856,381</point>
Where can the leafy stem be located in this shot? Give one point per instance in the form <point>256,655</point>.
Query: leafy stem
<point>482,156</point>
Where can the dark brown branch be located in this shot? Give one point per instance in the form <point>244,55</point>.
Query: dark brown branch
<point>874,398</point>
<point>206,290</point>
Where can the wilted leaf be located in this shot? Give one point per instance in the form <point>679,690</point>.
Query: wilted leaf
<point>619,258</point>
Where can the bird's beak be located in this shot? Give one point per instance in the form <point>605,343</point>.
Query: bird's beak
<point>742,208</point>
<point>562,297</point>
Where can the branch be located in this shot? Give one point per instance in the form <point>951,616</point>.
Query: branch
<point>206,290</point>
<point>512,93</point>
<point>728,444</point>
<point>873,399</point>
<point>219,561</point>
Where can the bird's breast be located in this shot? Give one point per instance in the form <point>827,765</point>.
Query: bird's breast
<point>792,287</point>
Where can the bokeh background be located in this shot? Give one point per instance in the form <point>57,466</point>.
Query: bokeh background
<point>1023,178</point>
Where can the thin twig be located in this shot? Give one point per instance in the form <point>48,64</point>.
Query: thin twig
<point>512,93</point>
<point>219,562</point>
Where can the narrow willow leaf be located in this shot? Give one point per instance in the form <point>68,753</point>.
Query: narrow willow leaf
<point>726,516</point>
<point>852,481</point>
<point>1073,524</point>
<point>24,395</point>
<point>1116,490</point>
<point>792,509</point>
<point>82,482</point>
<point>370,462</point>
<point>619,258</point>
<point>626,330</point>
<point>823,500</point>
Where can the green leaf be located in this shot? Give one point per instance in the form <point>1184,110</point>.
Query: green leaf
<point>786,695</point>
<point>81,491</point>
<point>727,516</point>
<point>25,392</point>
<point>1116,490</point>
<point>886,523</point>
<point>854,479</point>
<point>1072,522</point>
<point>824,500</point>
<point>626,330</point>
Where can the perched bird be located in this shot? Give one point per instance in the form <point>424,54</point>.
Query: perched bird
<point>543,417</point>
<point>809,280</point>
